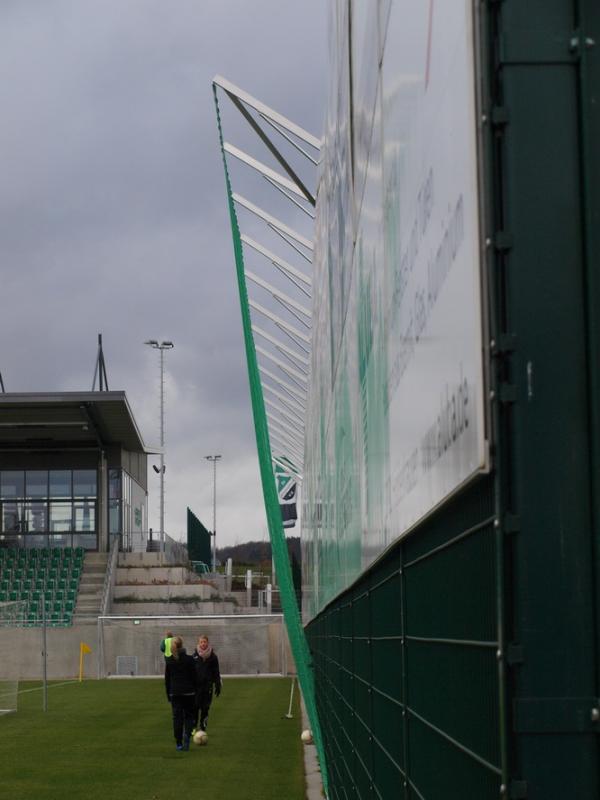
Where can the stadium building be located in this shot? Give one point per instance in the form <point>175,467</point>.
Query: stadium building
<point>78,561</point>
<point>73,471</point>
<point>441,413</point>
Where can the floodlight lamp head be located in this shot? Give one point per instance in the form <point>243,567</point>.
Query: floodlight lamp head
<point>152,342</point>
<point>167,345</point>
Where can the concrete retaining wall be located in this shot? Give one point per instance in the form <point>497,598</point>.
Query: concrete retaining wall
<point>21,650</point>
<point>164,592</point>
<point>166,609</point>
<point>243,647</point>
<point>180,575</point>
<point>139,560</point>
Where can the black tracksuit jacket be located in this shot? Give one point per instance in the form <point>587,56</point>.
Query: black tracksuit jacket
<point>180,675</point>
<point>207,673</point>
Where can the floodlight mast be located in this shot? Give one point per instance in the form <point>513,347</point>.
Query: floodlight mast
<point>214,460</point>
<point>161,347</point>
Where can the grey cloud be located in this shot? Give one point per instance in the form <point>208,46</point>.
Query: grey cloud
<point>113,213</point>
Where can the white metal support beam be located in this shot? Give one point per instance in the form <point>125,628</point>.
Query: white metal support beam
<point>288,240</point>
<point>289,139</point>
<point>273,149</point>
<point>288,469</point>
<point>298,424</point>
<point>279,321</point>
<point>298,357</point>
<point>287,401</point>
<point>286,446</point>
<point>294,420</point>
<point>290,198</point>
<point>263,169</point>
<point>278,262</point>
<point>278,425</point>
<point>278,294</point>
<point>282,365</point>
<point>286,454</point>
<point>284,438</point>
<point>292,311</point>
<point>241,99</point>
<point>270,113</point>
<point>296,395</point>
<point>273,222</point>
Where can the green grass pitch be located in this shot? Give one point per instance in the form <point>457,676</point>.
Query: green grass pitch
<point>114,739</point>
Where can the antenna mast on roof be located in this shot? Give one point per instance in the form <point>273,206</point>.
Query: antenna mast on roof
<point>100,371</point>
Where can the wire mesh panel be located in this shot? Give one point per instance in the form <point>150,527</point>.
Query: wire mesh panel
<point>406,666</point>
<point>127,665</point>
<point>246,645</point>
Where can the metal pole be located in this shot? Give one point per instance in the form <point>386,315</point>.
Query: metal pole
<point>214,564</point>
<point>289,715</point>
<point>162,347</point>
<point>214,460</point>
<point>162,455</point>
<point>44,658</point>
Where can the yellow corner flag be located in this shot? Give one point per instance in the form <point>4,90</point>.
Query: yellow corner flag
<point>83,648</point>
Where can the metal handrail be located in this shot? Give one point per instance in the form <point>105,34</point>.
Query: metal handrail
<point>109,577</point>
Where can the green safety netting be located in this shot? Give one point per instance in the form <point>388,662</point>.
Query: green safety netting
<point>289,603</point>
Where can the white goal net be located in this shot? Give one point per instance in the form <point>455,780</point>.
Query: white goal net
<point>12,615</point>
<point>253,644</point>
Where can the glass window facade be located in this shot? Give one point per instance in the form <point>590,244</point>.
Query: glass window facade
<point>84,514</point>
<point>12,484</point>
<point>11,517</point>
<point>49,508</point>
<point>84,483</point>
<point>36,483</point>
<point>127,508</point>
<point>60,483</point>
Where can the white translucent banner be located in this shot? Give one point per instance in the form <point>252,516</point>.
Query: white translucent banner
<point>395,419</point>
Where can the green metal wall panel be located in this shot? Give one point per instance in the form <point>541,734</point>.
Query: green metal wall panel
<point>198,539</point>
<point>406,665</point>
<point>465,662</point>
<point>539,70</point>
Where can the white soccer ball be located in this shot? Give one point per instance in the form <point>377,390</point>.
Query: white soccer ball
<point>306,737</point>
<point>200,737</point>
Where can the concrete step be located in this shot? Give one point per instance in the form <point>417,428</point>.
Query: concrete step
<point>91,580</point>
<point>96,558</point>
<point>90,595</point>
<point>89,601</point>
<point>90,591</point>
<point>82,619</point>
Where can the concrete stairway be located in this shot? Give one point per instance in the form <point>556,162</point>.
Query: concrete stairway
<point>90,587</point>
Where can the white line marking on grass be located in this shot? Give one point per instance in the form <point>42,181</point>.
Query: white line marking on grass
<point>50,686</point>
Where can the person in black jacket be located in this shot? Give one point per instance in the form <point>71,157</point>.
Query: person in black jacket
<point>208,677</point>
<point>180,685</point>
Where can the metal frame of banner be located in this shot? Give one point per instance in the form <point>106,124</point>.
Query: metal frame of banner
<point>297,395</point>
<point>288,380</point>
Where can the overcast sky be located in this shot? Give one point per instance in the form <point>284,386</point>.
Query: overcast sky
<point>113,215</point>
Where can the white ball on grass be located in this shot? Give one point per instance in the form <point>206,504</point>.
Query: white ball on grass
<point>200,737</point>
<point>306,737</point>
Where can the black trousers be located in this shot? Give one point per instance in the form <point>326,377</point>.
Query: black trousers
<point>203,701</point>
<point>184,715</point>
